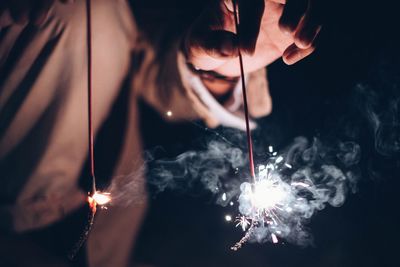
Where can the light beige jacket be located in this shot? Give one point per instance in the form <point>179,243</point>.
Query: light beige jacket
<point>43,121</point>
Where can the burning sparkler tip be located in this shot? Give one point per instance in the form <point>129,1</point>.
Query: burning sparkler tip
<point>99,198</point>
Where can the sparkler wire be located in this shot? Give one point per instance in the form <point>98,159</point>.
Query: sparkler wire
<point>92,211</point>
<point>90,91</point>
<point>246,110</point>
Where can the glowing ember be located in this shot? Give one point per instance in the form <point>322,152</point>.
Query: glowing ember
<point>99,198</point>
<point>169,113</point>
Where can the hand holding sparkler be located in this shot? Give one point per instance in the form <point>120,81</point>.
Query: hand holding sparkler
<point>270,29</point>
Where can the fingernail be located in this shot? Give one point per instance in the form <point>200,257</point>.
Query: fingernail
<point>291,57</point>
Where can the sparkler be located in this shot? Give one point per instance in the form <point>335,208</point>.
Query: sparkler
<point>247,120</point>
<point>95,197</point>
<point>266,192</point>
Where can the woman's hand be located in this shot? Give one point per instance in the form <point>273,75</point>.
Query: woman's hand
<point>269,29</point>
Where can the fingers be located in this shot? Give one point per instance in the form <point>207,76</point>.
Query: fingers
<point>213,33</point>
<point>301,19</point>
<point>308,28</point>
<point>294,54</point>
<point>292,13</point>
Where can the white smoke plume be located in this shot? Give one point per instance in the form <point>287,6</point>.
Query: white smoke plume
<point>309,174</point>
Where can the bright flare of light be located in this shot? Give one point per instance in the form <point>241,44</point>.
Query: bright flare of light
<point>169,113</point>
<point>262,202</point>
<point>267,194</point>
<point>101,198</point>
<point>228,218</point>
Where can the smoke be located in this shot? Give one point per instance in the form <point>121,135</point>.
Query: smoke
<point>303,179</point>
<point>126,190</point>
<point>328,173</point>
<point>209,167</point>
<point>383,115</point>
<point>378,98</point>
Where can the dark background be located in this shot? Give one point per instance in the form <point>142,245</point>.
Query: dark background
<point>316,97</point>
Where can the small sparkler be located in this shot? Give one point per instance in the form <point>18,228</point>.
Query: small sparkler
<point>287,191</point>
<point>267,194</point>
<point>95,197</point>
<point>244,221</point>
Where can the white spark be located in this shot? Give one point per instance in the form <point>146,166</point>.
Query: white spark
<point>271,149</point>
<point>299,184</point>
<point>288,165</point>
<point>279,159</point>
<point>228,218</point>
<point>224,197</point>
<point>243,222</point>
<point>274,238</point>
<point>169,113</point>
